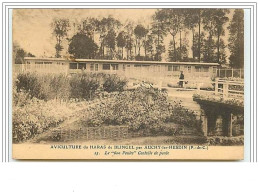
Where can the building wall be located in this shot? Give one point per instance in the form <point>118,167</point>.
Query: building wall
<point>141,71</point>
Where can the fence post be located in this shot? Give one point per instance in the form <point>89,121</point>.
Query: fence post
<point>225,90</point>
<point>216,86</point>
<point>232,72</point>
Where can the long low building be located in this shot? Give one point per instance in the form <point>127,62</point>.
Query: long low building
<point>125,68</point>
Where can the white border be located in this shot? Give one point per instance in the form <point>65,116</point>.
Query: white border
<point>5,136</point>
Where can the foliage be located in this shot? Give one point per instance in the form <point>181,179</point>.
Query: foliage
<point>184,116</point>
<point>139,109</point>
<point>107,25</point>
<point>158,31</point>
<point>235,102</point>
<point>19,54</point>
<point>82,46</point>
<point>236,39</point>
<point>144,108</point>
<point>225,141</point>
<point>60,30</point>
<point>114,83</point>
<point>110,42</point>
<point>29,120</point>
<point>121,41</point>
<point>140,32</point>
<point>84,86</point>
<point>44,87</point>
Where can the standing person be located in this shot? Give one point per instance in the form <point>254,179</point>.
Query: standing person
<point>181,78</point>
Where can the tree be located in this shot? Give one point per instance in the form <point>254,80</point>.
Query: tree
<point>19,54</point>
<point>197,46</point>
<point>121,41</point>
<point>213,21</point>
<point>129,40</point>
<point>219,18</point>
<point>140,32</point>
<point>222,55</point>
<point>110,42</point>
<point>208,50</point>
<point>89,26</point>
<point>159,31</point>
<point>19,58</point>
<point>191,21</point>
<point>173,19</point>
<point>106,25</point>
<point>82,46</point>
<point>236,39</point>
<point>149,44</point>
<point>60,29</point>
<point>180,52</point>
<point>209,43</point>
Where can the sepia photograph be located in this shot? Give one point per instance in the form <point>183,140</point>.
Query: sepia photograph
<point>163,84</point>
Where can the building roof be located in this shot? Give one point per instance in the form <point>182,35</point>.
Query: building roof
<point>46,59</point>
<point>124,61</point>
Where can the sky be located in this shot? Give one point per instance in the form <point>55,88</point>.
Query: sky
<point>32,31</point>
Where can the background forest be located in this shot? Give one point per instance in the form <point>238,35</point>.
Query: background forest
<point>202,35</point>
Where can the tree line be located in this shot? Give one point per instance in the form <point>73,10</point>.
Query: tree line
<point>129,41</point>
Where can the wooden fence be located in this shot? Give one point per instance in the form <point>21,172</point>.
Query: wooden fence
<point>227,89</point>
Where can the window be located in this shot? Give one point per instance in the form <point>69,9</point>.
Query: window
<point>205,69</point>
<point>124,67</point>
<point>72,65</point>
<point>176,68</point>
<point>128,65</point>
<point>91,67</point>
<point>189,68</point>
<point>47,62</point>
<point>138,66</point>
<point>28,62</point>
<point>170,68</point>
<point>82,66</point>
<point>38,62</point>
<point>197,69</point>
<point>106,66</point>
<point>96,67</point>
<point>115,66</point>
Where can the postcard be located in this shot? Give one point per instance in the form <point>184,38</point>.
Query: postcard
<point>128,84</point>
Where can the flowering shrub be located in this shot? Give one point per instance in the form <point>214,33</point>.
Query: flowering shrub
<point>37,116</point>
<point>140,109</point>
<point>184,116</point>
<point>81,86</point>
<point>84,86</point>
<point>113,83</point>
<point>44,87</point>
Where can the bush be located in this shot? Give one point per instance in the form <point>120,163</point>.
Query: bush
<point>184,116</point>
<point>43,87</point>
<point>84,86</point>
<point>29,83</point>
<point>36,117</point>
<point>114,83</point>
<point>141,109</point>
